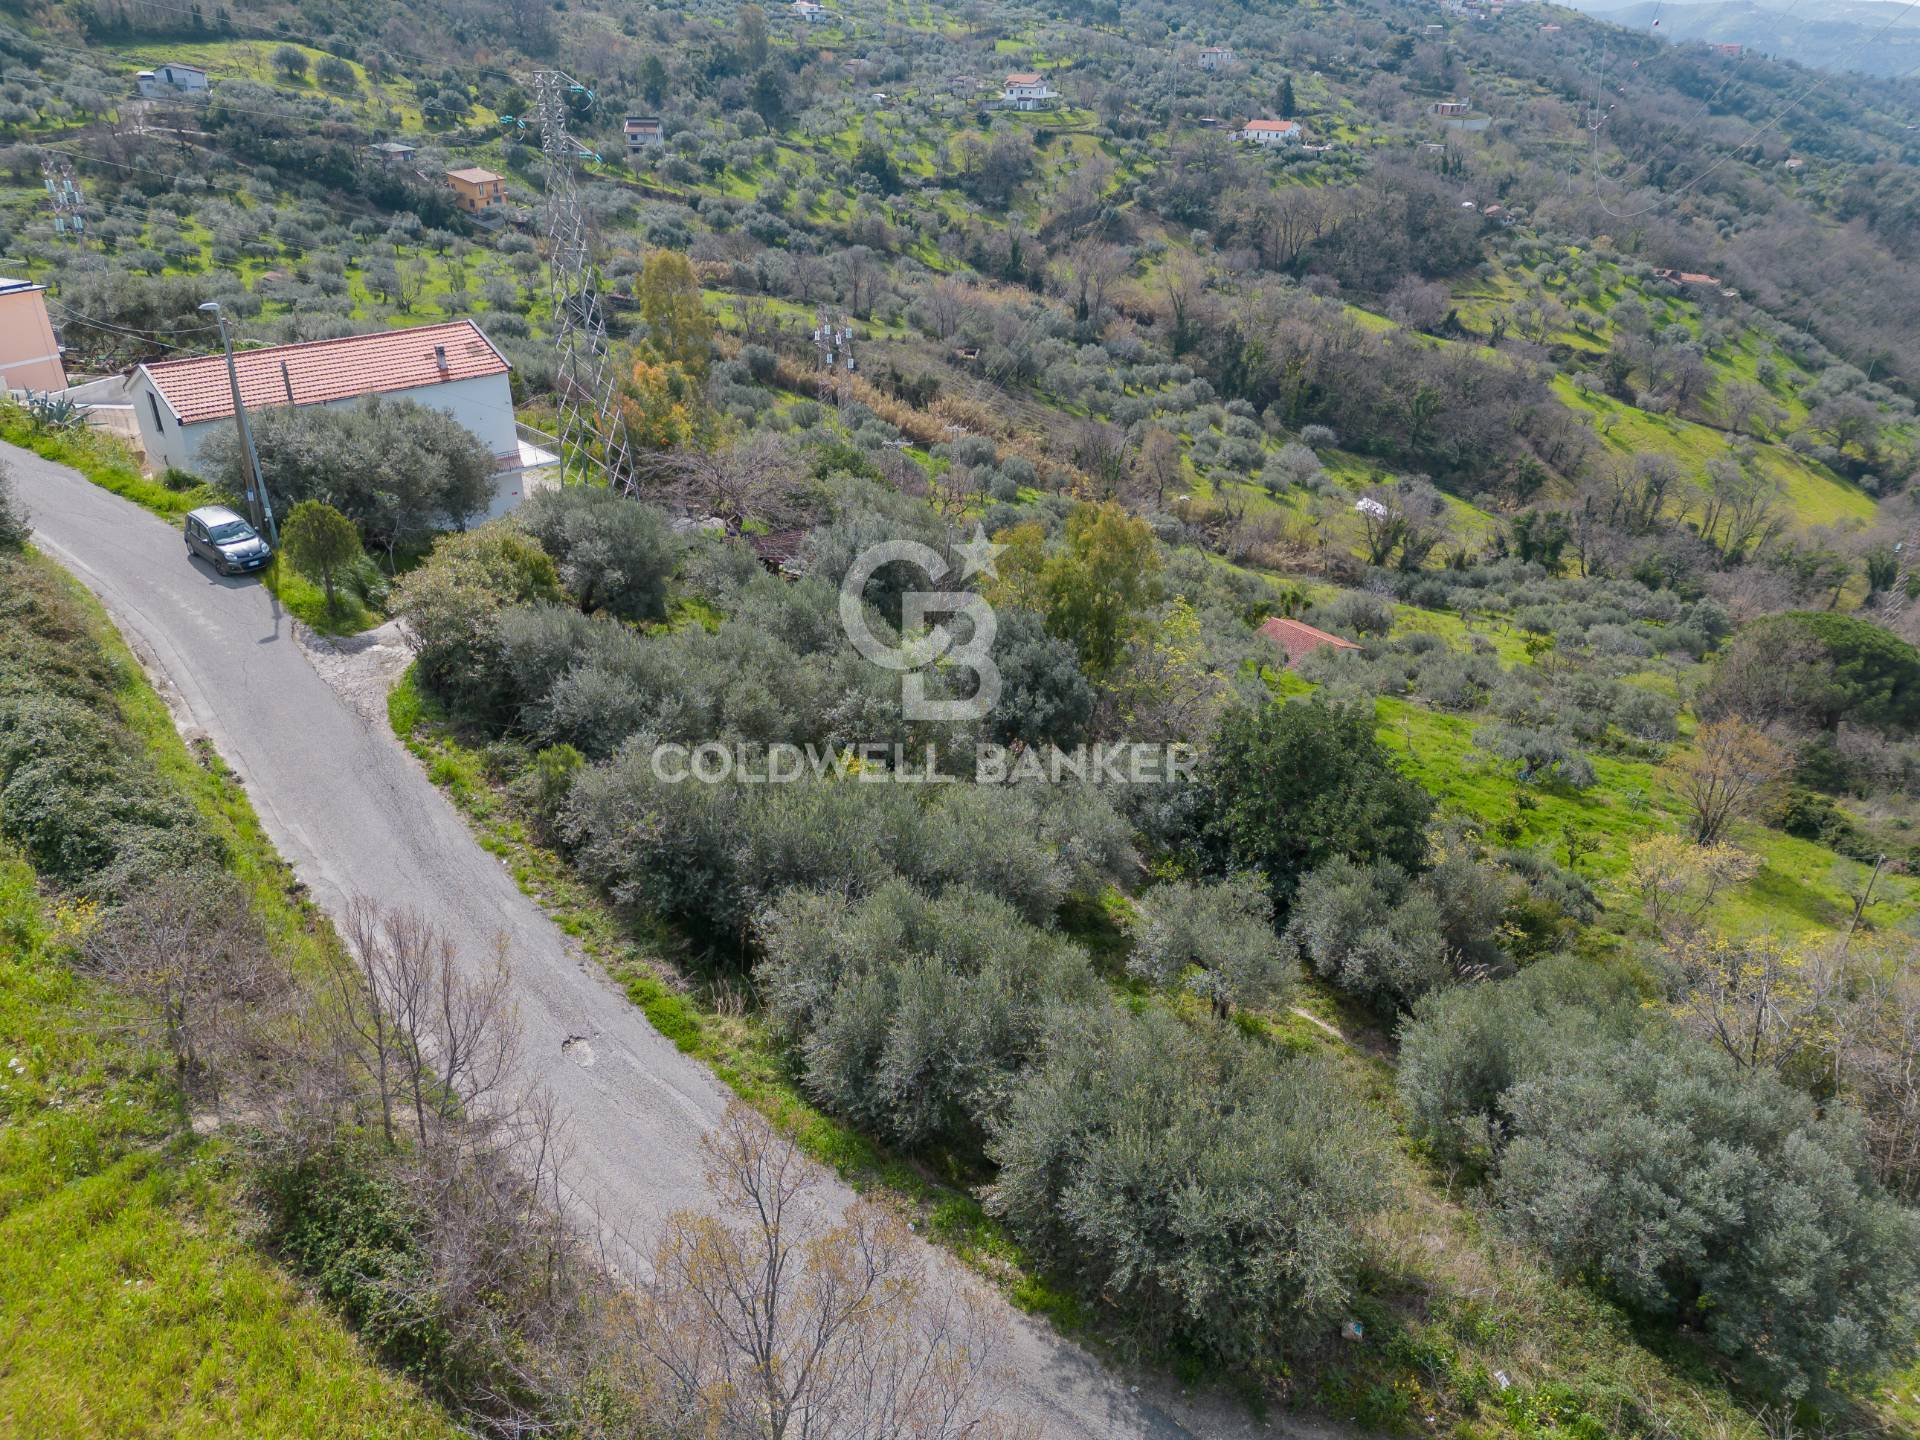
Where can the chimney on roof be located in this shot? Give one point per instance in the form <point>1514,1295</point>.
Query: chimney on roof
<point>440,358</point>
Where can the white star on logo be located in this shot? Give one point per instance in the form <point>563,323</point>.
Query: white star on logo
<point>978,555</point>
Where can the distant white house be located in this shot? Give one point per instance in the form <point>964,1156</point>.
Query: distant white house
<point>453,368</point>
<point>1215,57</point>
<point>392,152</point>
<point>1452,107</point>
<point>1271,132</point>
<point>644,132</point>
<point>1027,90</point>
<point>171,81</point>
<point>811,13</point>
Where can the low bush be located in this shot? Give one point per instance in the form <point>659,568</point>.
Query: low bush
<point>1213,1199</point>
<point>913,1016</point>
<point>453,605</point>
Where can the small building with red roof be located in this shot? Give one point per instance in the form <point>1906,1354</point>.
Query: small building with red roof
<point>1271,132</point>
<point>1297,639</point>
<point>451,367</point>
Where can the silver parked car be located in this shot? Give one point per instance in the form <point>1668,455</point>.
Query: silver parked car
<point>225,541</point>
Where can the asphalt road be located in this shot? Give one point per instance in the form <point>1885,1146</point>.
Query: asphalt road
<point>355,815</point>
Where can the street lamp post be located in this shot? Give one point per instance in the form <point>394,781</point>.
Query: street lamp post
<point>259,506</point>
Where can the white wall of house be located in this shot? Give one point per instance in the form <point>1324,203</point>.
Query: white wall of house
<point>165,80</point>
<point>483,405</point>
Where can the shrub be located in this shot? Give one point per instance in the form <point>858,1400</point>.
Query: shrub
<point>613,553</point>
<point>1371,931</point>
<point>396,468</point>
<point>912,1015</point>
<point>453,604</point>
<point>1215,940</point>
<point>1354,612</point>
<point>1537,755</point>
<point>1045,698</point>
<point>16,527</point>
<point>1709,1198</point>
<point>76,793</point>
<point>1464,1049</point>
<point>1286,787</point>
<point>1212,1197</point>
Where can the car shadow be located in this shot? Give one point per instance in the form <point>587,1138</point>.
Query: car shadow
<point>213,576</point>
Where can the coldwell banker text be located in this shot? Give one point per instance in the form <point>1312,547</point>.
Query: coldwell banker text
<point>781,764</point>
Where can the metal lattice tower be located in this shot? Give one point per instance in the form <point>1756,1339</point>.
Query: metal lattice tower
<point>591,425</point>
<point>833,345</point>
<point>69,208</point>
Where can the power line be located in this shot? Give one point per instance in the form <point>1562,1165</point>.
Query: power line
<point>72,317</point>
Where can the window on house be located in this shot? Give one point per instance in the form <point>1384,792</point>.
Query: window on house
<point>158,419</point>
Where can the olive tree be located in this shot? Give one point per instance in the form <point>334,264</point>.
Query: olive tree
<point>613,553</point>
<point>1216,940</point>
<point>1207,1194</point>
<point>320,543</point>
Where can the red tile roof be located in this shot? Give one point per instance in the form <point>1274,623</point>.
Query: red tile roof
<point>324,370</point>
<point>473,175</point>
<point>1278,127</point>
<point>1023,77</point>
<point>1300,640</point>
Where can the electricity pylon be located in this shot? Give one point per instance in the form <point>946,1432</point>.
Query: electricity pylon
<point>591,425</point>
<point>69,213</point>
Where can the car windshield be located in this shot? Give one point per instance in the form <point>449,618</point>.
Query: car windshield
<point>228,531</point>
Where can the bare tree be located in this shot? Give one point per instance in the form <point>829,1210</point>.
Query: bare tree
<point>1877,1059</point>
<point>425,1033</point>
<point>1760,1001</point>
<point>1086,275</point>
<point>191,946</point>
<point>1746,408</point>
<point>755,479</point>
<point>1156,466</point>
<point>759,1324</point>
<point>1742,510</point>
<point>947,303</point>
<point>1723,774</point>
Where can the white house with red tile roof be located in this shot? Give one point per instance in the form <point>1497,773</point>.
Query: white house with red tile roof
<point>1299,639</point>
<point>451,367</point>
<point>1027,90</point>
<point>1271,132</point>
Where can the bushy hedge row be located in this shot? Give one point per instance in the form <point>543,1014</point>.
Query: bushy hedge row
<point>710,854</point>
<point>76,790</point>
<point>1691,1192</point>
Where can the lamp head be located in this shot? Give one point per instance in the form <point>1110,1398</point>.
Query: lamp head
<point>212,307</point>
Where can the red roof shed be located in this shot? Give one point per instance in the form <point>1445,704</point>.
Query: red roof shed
<point>1298,639</point>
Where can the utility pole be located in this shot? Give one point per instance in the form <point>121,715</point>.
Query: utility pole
<point>259,507</point>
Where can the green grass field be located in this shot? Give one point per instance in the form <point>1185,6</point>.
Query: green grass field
<point>133,1303</point>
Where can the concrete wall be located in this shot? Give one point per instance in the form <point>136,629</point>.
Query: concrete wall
<point>483,405</point>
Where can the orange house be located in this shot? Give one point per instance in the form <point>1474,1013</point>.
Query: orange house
<point>477,191</point>
<point>29,355</point>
